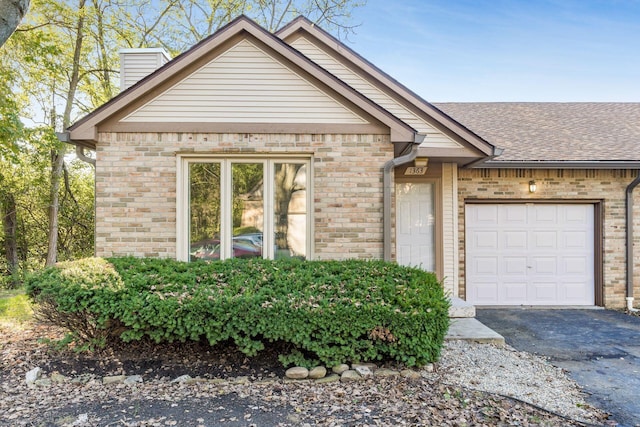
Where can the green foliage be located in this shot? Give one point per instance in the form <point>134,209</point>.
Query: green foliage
<point>14,307</point>
<point>327,311</point>
<point>79,296</point>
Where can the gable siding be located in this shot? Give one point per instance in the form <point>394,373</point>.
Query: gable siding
<point>434,138</point>
<point>245,85</point>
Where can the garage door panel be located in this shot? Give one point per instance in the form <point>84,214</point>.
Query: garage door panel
<point>545,214</point>
<point>576,265</point>
<point>513,292</point>
<point>544,239</point>
<point>515,240</point>
<point>544,265</point>
<point>575,291</point>
<point>485,239</point>
<point>575,239</point>
<point>544,292</point>
<point>576,214</point>
<point>486,216</point>
<point>486,265</point>
<point>531,254</point>
<point>486,292</point>
<point>515,265</point>
<point>512,215</point>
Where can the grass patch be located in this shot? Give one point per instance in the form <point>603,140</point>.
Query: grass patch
<point>15,308</point>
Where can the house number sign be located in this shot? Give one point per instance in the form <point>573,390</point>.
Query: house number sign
<point>415,170</point>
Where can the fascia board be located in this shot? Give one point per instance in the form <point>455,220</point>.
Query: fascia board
<point>605,164</point>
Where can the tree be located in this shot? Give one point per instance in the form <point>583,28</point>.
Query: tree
<point>11,13</point>
<point>65,57</point>
<point>11,130</point>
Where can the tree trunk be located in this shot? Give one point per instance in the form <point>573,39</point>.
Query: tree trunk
<point>11,13</point>
<point>57,160</point>
<point>57,154</point>
<point>9,224</point>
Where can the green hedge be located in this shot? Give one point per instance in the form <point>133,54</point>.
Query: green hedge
<point>328,311</point>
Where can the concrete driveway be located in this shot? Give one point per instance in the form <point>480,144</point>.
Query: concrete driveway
<point>599,348</point>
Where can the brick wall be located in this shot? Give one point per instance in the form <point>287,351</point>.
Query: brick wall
<point>606,185</point>
<point>136,188</point>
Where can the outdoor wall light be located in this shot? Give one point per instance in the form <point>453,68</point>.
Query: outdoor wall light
<point>532,186</point>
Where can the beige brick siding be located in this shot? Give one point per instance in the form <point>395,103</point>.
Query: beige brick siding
<point>606,185</point>
<point>136,188</point>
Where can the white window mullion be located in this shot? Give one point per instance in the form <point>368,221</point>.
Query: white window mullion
<point>268,234</point>
<point>226,205</point>
<point>182,211</point>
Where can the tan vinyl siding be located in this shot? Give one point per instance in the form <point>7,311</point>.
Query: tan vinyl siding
<point>434,138</point>
<point>136,64</point>
<point>450,226</point>
<point>245,85</point>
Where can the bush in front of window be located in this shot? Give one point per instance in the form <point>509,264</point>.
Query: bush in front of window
<point>328,312</point>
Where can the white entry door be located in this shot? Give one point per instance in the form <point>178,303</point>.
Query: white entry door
<point>529,254</point>
<point>415,225</point>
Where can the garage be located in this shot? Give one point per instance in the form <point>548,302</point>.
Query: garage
<point>530,254</point>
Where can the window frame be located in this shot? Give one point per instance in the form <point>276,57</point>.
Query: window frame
<point>226,192</point>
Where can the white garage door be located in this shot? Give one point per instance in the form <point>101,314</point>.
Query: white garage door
<point>530,254</point>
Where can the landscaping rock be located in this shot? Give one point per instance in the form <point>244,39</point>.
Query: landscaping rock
<point>364,371</point>
<point>182,379</point>
<point>57,377</point>
<point>350,376</point>
<point>115,379</point>
<point>82,379</point>
<point>339,369</point>
<point>318,372</point>
<point>410,374</point>
<point>384,372</point>
<point>42,382</point>
<point>33,375</point>
<point>133,379</point>
<point>240,380</point>
<point>297,373</point>
<point>332,378</point>
<point>371,366</point>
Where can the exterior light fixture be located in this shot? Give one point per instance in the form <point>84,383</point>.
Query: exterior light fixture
<point>532,186</point>
<point>420,168</point>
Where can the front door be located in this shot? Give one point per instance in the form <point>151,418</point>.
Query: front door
<point>415,225</point>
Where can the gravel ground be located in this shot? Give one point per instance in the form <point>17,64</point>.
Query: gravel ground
<point>467,387</point>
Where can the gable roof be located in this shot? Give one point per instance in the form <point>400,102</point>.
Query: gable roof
<point>352,68</point>
<point>84,131</point>
<point>555,134</point>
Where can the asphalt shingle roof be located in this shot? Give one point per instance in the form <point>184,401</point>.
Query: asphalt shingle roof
<point>554,131</point>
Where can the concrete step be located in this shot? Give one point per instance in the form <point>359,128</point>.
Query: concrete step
<point>470,329</point>
<point>461,309</point>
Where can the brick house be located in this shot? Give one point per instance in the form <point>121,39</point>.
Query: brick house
<point>291,144</point>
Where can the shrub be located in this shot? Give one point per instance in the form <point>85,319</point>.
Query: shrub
<point>79,296</point>
<point>327,311</point>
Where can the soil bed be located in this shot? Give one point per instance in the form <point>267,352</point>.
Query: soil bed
<point>233,390</point>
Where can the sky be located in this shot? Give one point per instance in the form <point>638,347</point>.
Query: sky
<point>505,50</point>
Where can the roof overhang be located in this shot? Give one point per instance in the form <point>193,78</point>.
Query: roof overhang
<point>612,164</point>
